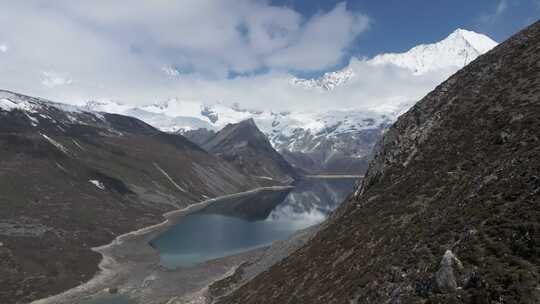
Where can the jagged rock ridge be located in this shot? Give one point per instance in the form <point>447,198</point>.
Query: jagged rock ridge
<point>245,146</point>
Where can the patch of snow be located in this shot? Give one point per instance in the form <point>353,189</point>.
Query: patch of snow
<point>97,183</point>
<point>169,178</point>
<point>58,145</point>
<point>61,167</point>
<point>33,121</point>
<point>78,145</point>
<point>8,104</point>
<point>328,81</point>
<point>66,107</point>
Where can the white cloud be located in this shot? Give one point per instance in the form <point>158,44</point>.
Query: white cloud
<point>501,7</point>
<point>142,51</point>
<point>112,47</point>
<point>3,48</point>
<point>493,16</point>
<point>380,87</point>
<point>222,35</point>
<point>321,43</point>
<point>53,79</point>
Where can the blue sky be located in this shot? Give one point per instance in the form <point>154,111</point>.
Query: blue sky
<point>398,25</point>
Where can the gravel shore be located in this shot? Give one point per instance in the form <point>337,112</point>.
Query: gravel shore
<point>130,267</point>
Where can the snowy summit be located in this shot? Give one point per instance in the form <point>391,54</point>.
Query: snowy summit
<point>454,52</point>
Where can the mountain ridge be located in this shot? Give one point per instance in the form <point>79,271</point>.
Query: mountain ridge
<point>245,146</point>
<point>448,210</point>
<point>72,179</point>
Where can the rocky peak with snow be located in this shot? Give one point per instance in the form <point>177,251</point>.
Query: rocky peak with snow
<point>457,50</point>
<point>338,141</point>
<point>245,146</point>
<point>454,52</point>
<point>328,81</point>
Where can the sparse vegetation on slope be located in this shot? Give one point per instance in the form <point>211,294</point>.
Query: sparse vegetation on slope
<point>449,211</point>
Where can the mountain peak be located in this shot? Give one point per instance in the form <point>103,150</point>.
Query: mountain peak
<point>479,42</point>
<point>248,122</point>
<point>455,51</point>
<point>244,145</point>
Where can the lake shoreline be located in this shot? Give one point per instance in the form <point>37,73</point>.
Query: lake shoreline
<point>132,264</point>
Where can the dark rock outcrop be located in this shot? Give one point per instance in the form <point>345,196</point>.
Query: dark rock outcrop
<point>199,136</point>
<point>459,171</point>
<point>245,146</point>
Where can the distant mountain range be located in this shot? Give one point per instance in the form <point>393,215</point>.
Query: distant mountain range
<point>330,142</point>
<point>335,142</point>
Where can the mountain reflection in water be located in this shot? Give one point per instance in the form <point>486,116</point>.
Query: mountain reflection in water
<point>236,225</point>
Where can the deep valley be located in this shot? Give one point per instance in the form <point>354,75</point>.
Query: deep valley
<point>269,152</point>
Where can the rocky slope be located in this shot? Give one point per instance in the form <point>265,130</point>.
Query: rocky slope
<point>245,146</point>
<point>71,179</point>
<point>449,209</point>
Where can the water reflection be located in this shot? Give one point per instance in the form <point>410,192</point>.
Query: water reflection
<point>236,225</point>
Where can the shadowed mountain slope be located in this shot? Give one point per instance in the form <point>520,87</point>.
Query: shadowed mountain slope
<point>449,211</point>
<point>245,146</point>
<point>71,180</point>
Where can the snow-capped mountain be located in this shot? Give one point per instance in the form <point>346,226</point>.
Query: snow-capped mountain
<point>457,50</point>
<point>338,141</point>
<point>160,115</point>
<point>454,52</point>
<point>328,81</point>
<point>312,141</point>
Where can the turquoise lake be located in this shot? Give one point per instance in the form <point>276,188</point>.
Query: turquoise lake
<point>236,225</point>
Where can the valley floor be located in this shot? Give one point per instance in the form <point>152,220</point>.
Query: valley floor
<point>131,267</point>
